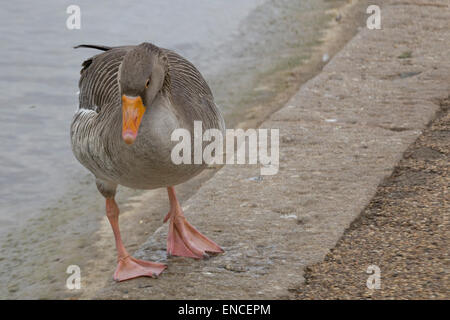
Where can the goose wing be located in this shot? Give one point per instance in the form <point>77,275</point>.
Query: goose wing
<point>189,90</point>
<point>98,81</point>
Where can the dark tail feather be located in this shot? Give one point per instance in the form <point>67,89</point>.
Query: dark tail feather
<point>92,46</point>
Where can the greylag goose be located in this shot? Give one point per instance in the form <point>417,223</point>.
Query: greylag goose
<point>131,99</point>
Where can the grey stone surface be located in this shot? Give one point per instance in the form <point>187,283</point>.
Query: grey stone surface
<point>340,135</point>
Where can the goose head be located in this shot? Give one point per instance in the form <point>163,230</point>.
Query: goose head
<point>141,78</point>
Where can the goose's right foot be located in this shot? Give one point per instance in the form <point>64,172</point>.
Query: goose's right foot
<point>130,268</point>
<point>127,266</point>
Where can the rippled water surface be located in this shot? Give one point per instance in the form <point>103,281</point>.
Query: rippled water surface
<point>40,70</point>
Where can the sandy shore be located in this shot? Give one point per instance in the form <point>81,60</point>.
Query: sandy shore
<point>341,134</point>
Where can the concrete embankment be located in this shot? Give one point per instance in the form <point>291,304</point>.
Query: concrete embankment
<point>340,136</point>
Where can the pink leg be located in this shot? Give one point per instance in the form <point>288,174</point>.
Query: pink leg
<point>183,239</point>
<point>127,266</point>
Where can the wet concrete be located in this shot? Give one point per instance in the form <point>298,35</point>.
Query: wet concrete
<point>52,215</point>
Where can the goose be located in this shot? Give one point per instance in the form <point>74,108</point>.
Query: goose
<point>131,98</point>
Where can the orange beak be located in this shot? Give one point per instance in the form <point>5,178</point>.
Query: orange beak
<point>132,111</point>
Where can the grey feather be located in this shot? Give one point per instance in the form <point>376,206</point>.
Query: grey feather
<point>96,128</point>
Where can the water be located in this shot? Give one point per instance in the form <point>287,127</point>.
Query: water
<point>232,42</point>
<point>40,70</point>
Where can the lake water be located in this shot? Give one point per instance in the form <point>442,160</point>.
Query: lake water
<point>40,71</point>
<point>232,42</point>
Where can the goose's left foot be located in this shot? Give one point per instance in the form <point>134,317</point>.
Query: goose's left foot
<point>183,239</point>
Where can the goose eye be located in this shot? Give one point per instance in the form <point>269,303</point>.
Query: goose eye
<point>147,83</point>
